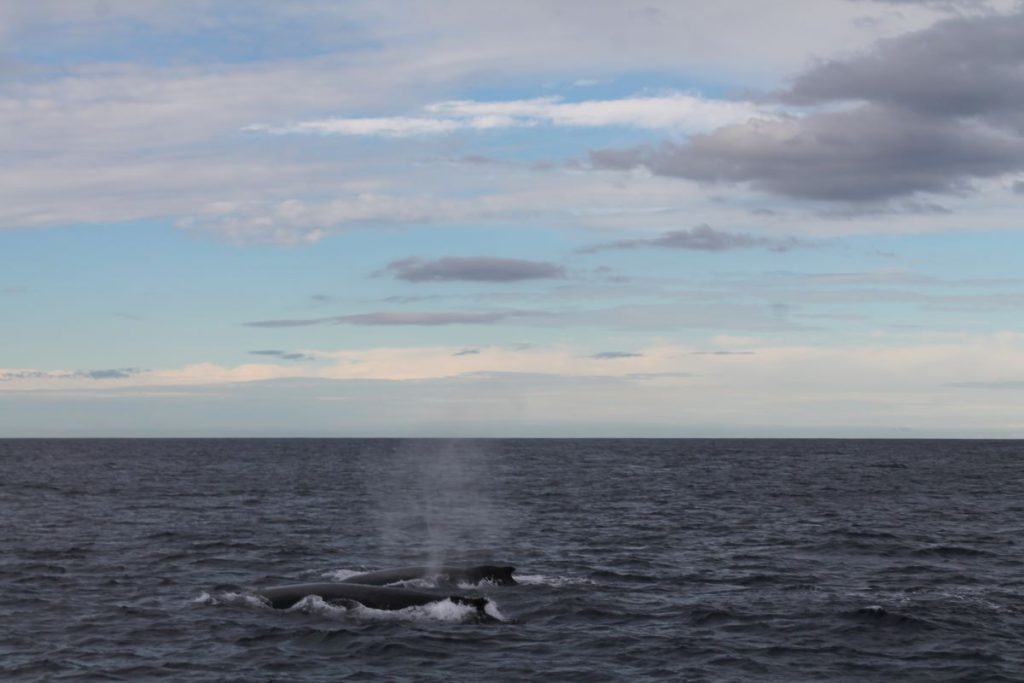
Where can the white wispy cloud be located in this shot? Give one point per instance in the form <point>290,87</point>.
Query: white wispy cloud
<point>388,126</point>
<point>685,111</point>
<point>852,368</point>
<point>930,387</point>
<point>675,111</point>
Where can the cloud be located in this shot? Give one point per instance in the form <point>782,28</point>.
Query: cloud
<point>297,222</point>
<point>1018,186</point>
<point>849,390</point>
<point>11,375</point>
<point>452,195</point>
<point>686,313</point>
<point>942,5</point>
<point>110,373</point>
<point>929,111</point>
<point>409,299</point>
<point>283,355</point>
<point>472,269</point>
<point>429,319</point>
<point>114,373</point>
<point>960,67</point>
<point>393,126</point>
<point>867,154</point>
<point>103,131</point>
<point>467,352</point>
<point>724,353</point>
<point>703,238</point>
<point>398,318</point>
<point>672,111</point>
<point>611,355</point>
<point>1000,385</point>
<point>681,314</point>
<point>663,37</point>
<point>321,299</point>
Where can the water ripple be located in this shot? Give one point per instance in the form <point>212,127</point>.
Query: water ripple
<point>642,560</point>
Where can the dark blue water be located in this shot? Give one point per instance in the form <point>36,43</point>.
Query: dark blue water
<point>703,560</point>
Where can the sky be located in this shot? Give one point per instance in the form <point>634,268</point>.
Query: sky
<point>542,218</point>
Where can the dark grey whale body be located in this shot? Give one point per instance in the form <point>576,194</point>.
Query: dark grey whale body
<point>376,597</point>
<point>498,574</point>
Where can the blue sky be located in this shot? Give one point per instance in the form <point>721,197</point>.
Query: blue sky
<point>799,218</point>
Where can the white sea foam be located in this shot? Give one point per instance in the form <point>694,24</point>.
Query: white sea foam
<point>975,598</point>
<point>492,611</point>
<point>314,604</point>
<point>442,610</point>
<point>446,610</point>
<point>556,581</point>
<point>230,598</point>
<point>482,583</point>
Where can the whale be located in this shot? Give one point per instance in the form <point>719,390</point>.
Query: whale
<point>375,597</point>
<point>497,574</point>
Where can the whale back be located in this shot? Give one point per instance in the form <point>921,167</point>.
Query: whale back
<point>375,597</point>
<point>499,574</point>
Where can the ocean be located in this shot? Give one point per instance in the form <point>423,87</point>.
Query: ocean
<point>638,560</point>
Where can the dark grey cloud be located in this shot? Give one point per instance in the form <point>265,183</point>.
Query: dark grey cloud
<point>905,206</point>
<point>683,314</point>
<point>703,238</point>
<point>945,5</point>
<point>467,352</point>
<point>398,318</point>
<point>1018,186</point>
<point>966,66</point>
<point>11,375</point>
<point>866,154</point>
<point>472,269</point>
<point>283,355</point>
<point>929,111</point>
<point>110,373</point>
<point>402,299</point>
<point>411,318</point>
<point>611,355</point>
<point>292,322</point>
